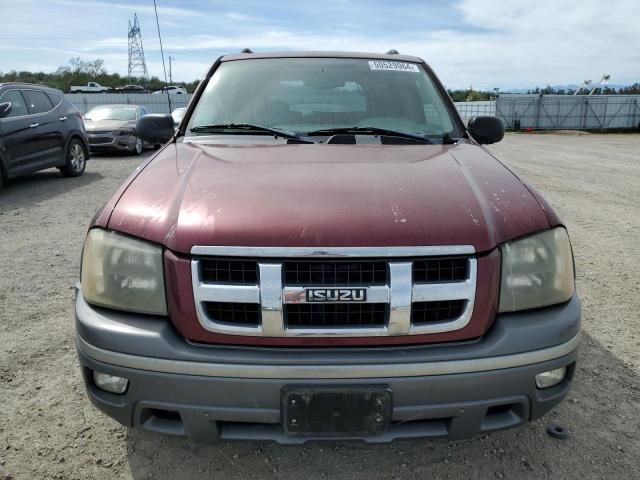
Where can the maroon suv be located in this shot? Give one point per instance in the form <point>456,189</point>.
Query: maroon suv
<point>323,250</point>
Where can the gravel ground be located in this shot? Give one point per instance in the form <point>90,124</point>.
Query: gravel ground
<point>48,429</point>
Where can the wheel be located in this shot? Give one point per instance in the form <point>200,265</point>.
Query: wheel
<point>76,159</point>
<point>138,147</point>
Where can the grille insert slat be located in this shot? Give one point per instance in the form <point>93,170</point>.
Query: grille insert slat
<point>308,272</point>
<point>247,314</point>
<point>437,270</point>
<point>436,311</point>
<point>100,140</point>
<point>215,270</point>
<point>336,315</point>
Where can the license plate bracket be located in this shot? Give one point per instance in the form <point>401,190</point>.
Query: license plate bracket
<point>342,411</point>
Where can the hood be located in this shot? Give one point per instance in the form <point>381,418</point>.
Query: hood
<point>107,125</point>
<point>326,196</point>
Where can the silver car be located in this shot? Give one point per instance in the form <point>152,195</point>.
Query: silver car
<point>178,115</point>
<point>113,127</point>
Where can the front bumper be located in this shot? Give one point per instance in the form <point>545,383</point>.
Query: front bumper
<point>102,142</point>
<point>211,392</point>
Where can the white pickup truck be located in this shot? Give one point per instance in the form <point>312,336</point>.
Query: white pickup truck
<point>90,87</point>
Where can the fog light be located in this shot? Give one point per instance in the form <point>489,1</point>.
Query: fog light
<point>551,378</point>
<point>110,383</point>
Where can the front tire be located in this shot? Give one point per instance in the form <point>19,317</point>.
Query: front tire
<point>138,147</point>
<point>76,159</point>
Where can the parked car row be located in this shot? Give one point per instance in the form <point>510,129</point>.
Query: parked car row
<point>40,129</point>
<point>95,87</point>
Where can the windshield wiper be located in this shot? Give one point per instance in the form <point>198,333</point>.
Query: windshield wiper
<point>247,127</point>
<point>369,131</point>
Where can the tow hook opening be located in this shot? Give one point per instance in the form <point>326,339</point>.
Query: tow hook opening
<point>504,416</point>
<point>162,421</point>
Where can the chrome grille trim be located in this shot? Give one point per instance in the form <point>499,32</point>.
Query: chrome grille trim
<point>423,292</point>
<point>271,299</point>
<point>324,252</point>
<point>208,292</point>
<point>400,298</point>
<point>271,295</point>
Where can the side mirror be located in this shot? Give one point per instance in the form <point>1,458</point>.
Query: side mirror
<point>5,109</point>
<point>155,128</point>
<point>486,130</point>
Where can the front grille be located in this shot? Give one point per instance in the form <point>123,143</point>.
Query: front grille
<point>336,315</point>
<point>437,311</point>
<point>236,313</point>
<point>100,140</point>
<point>309,272</point>
<point>435,270</point>
<point>264,291</point>
<point>215,270</point>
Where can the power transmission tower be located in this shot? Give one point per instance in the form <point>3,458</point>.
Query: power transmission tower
<point>137,64</point>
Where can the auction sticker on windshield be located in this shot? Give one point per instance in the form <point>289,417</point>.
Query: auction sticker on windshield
<point>393,66</point>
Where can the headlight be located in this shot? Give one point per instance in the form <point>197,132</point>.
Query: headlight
<point>123,273</point>
<point>537,271</point>
<point>123,132</point>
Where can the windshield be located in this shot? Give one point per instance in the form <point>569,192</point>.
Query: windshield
<point>308,94</point>
<point>111,113</point>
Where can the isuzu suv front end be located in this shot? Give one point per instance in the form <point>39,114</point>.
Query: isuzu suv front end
<point>324,251</point>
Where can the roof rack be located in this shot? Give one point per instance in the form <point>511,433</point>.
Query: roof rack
<point>246,50</point>
<point>393,51</point>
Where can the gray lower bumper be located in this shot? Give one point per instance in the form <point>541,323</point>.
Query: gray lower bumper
<point>119,143</point>
<point>222,392</point>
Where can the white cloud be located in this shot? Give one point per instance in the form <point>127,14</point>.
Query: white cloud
<point>132,7</point>
<point>486,43</point>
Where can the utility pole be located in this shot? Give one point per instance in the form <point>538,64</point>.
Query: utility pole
<point>171,59</point>
<point>137,63</point>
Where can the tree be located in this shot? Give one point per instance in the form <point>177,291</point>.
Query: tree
<point>77,65</point>
<point>548,90</point>
<point>62,71</point>
<point>95,68</point>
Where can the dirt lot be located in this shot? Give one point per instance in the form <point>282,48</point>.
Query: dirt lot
<point>48,429</point>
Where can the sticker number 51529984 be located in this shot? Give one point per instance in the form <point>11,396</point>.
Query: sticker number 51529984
<point>393,66</point>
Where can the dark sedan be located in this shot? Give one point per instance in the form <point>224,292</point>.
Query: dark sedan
<point>39,129</point>
<point>131,89</point>
<point>113,127</point>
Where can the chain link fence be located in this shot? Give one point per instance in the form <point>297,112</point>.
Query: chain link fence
<point>544,112</point>
<point>475,109</point>
<point>569,112</point>
<point>158,103</point>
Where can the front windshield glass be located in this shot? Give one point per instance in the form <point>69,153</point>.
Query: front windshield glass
<point>111,113</point>
<point>307,94</point>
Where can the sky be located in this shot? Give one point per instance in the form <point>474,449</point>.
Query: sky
<point>481,43</point>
